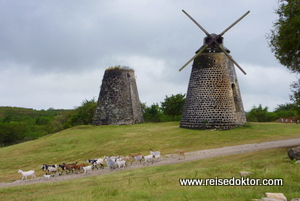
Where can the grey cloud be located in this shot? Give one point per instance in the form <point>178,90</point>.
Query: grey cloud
<point>79,37</point>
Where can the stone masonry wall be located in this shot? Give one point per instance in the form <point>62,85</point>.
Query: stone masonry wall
<point>118,102</point>
<point>213,99</point>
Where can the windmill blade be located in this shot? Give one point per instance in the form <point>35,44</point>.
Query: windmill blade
<point>198,53</point>
<point>196,23</point>
<point>228,55</point>
<point>234,23</point>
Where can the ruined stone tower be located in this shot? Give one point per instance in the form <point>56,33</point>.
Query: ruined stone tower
<point>213,99</point>
<point>118,102</point>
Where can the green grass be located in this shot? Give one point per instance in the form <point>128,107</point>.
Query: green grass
<point>161,182</point>
<point>153,182</point>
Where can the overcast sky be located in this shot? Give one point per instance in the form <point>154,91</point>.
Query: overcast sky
<point>53,53</point>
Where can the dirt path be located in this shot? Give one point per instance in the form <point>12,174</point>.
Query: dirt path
<point>171,159</point>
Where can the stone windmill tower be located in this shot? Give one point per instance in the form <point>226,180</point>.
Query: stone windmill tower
<point>213,99</point>
<point>118,102</point>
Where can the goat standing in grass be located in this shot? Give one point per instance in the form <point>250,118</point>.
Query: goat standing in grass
<point>49,168</point>
<point>154,153</point>
<point>47,176</point>
<point>86,168</point>
<point>70,167</point>
<point>95,162</point>
<point>121,163</point>
<point>79,167</point>
<point>128,159</point>
<point>148,159</point>
<point>180,153</point>
<point>26,174</point>
<point>137,157</point>
<point>157,157</point>
<point>111,164</point>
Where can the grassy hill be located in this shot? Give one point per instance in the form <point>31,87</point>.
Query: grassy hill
<point>151,183</point>
<point>23,124</point>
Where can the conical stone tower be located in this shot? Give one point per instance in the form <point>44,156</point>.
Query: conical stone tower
<point>118,102</point>
<point>213,99</point>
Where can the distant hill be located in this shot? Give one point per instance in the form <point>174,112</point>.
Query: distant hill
<point>19,124</point>
<point>28,111</point>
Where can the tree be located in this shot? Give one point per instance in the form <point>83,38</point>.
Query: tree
<point>173,106</point>
<point>153,113</point>
<point>84,114</point>
<point>11,133</point>
<point>42,120</point>
<point>260,114</point>
<point>60,121</point>
<point>285,110</point>
<point>295,87</point>
<point>284,39</point>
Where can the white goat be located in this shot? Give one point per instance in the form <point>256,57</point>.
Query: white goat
<point>121,163</point>
<point>111,164</point>
<point>125,158</point>
<point>26,174</point>
<point>95,162</point>
<point>157,157</point>
<point>47,176</point>
<point>50,168</point>
<point>137,157</point>
<point>148,159</point>
<point>154,153</point>
<point>114,158</point>
<point>86,168</point>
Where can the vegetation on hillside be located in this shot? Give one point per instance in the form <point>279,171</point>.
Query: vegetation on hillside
<point>151,182</point>
<point>22,124</point>
<point>260,114</point>
<point>169,110</point>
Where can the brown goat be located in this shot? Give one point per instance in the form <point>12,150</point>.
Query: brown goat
<point>78,168</point>
<point>69,167</point>
<point>180,153</point>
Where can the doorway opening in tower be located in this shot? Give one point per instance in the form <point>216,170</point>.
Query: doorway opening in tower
<point>235,98</point>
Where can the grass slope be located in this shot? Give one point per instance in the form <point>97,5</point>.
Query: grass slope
<point>161,182</point>
<point>157,182</point>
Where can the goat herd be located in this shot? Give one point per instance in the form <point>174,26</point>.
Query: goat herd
<point>112,162</point>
